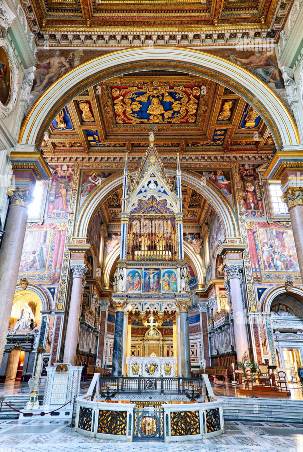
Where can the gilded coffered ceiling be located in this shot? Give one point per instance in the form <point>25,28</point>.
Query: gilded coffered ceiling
<point>81,15</point>
<point>188,114</point>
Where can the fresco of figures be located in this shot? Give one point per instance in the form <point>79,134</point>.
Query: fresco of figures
<point>169,281</point>
<point>89,181</point>
<point>252,198</point>
<point>151,280</point>
<point>221,179</point>
<point>58,207</point>
<point>194,239</point>
<point>43,253</point>
<point>113,240</point>
<point>272,250</point>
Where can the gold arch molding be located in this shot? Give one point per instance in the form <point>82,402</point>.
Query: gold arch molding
<point>265,101</point>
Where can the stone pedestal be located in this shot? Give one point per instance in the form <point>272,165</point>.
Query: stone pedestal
<point>10,256</point>
<point>72,331</point>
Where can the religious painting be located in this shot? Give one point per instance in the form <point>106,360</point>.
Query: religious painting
<point>221,179</point>
<point>60,192</point>
<point>252,197</point>
<point>250,119</point>
<point>133,281</point>
<point>154,103</point>
<point>92,137</point>
<point>5,77</point>
<point>216,234</point>
<point>62,121</point>
<point>94,232</point>
<point>263,63</point>
<point>277,250</point>
<point>169,282</point>
<point>194,239</point>
<point>89,181</point>
<point>151,280</point>
<point>42,253</point>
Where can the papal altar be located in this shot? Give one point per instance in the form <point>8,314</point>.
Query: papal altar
<point>151,367</point>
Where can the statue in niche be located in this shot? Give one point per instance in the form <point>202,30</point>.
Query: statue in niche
<point>119,283</point>
<point>184,279</point>
<point>26,320</point>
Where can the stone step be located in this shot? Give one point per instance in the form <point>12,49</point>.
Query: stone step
<point>16,401</point>
<point>262,409</point>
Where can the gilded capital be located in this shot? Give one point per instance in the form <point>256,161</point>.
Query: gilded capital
<point>183,306</point>
<point>293,196</point>
<point>119,305</point>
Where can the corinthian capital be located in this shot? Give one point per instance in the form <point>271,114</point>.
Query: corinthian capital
<point>234,271</point>
<point>20,198</point>
<point>294,197</point>
<point>78,270</point>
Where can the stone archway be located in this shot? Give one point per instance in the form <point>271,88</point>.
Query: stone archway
<point>207,190</point>
<point>257,93</point>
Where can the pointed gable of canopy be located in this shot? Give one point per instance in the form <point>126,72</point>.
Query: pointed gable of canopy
<point>151,190</point>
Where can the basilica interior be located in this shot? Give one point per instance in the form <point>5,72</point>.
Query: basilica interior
<point>151,218</point>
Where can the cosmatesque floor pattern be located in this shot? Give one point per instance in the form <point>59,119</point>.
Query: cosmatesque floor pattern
<point>36,435</point>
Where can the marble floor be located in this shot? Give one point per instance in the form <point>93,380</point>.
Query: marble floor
<point>54,435</point>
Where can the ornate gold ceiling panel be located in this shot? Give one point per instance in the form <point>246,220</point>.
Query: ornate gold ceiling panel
<point>87,15</point>
<point>190,114</point>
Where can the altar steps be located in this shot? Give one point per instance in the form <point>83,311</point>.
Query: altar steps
<point>261,409</point>
<point>16,401</point>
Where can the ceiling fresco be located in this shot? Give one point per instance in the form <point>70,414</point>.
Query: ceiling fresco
<point>187,113</point>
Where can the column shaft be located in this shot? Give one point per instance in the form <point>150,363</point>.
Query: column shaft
<point>296,217</point>
<point>118,345</point>
<point>72,330</point>
<point>10,256</point>
<point>234,275</point>
<point>184,345</point>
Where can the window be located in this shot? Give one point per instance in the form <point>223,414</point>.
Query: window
<point>278,206</point>
<point>36,207</point>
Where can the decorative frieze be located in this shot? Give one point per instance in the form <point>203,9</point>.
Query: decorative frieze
<point>234,271</point>
<point>79,270</point>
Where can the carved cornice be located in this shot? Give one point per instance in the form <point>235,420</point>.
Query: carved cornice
<point>294,196</point>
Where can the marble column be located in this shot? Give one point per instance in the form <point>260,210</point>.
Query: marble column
<point>234,274</point>
<point>294,199</point>
<point>118,342</point>
<point>72,330</point>
<point>10,256</point>
<point>184,349</point>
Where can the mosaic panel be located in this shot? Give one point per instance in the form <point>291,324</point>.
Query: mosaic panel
<point>112,422</point>
<point>212,419</point>
<point>85,419</point>
<point>184,423</point>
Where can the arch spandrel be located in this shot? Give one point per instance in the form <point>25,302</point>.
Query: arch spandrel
<point>262,98</point>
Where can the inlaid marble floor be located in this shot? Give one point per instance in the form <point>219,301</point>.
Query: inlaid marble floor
<point>54,435</point>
